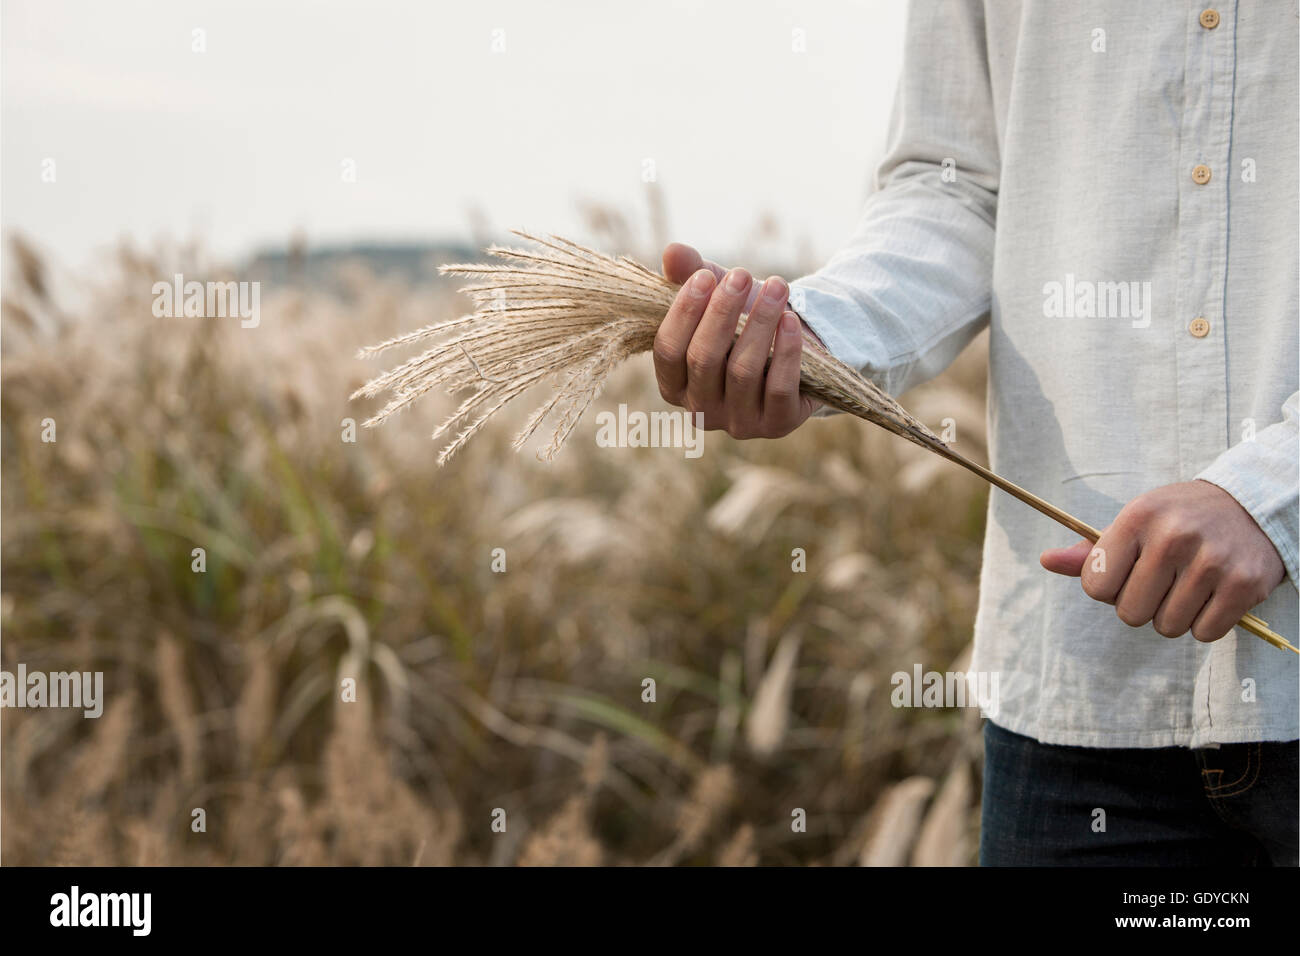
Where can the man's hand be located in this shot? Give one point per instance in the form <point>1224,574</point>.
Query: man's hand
<point>1185,556</point>
<point>698,366</point>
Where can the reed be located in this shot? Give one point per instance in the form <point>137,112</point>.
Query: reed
<point>566,314</point>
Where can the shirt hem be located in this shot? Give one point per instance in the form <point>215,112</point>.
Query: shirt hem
<point>1149,739</point>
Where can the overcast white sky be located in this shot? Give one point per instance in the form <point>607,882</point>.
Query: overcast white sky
<point>244,144</point>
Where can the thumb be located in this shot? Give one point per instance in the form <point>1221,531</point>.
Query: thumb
<point>682,261</point>
<point>1068,561</point>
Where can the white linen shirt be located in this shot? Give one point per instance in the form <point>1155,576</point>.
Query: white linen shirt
<point>1111,189</point>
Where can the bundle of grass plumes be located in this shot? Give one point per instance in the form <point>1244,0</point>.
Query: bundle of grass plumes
<point>561,312</point>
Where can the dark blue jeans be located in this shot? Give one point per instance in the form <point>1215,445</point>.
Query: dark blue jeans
<point>1046,805</point>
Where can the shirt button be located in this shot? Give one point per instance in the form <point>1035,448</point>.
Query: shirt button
<point>1209,19</point>
<point>1201,175</point>
<point>1200,327</point>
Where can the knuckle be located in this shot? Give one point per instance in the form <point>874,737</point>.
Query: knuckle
<point>1240,588</point>
<point>1166,628</point>
<point>1175,537</point>
<point>1093,586</point>
<point>1129,616</point>
<point>1203,575</point>
<point>778,426</point>
<point>1214,558</point>
<point>740,429</point>
<point>743,371</point>
<point>1140,510</point>
<point>782,390</point>
<point>665,353</point>
<point>1156,547</point>
<point>670,395</point>
<point>1207,633</point>
<point>1237,581</point>
<point>711,422</point>
<point>700,362</point>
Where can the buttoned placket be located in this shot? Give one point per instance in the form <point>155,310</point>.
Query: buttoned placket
<point>1198,322</point>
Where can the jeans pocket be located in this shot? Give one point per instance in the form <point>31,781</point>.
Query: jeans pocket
<point>1231,770</point>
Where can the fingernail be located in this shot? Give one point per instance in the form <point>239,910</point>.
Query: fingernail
<point>701,282</point>
<point>789,324</point>
<point>775,290</point>
<point>737,280</point>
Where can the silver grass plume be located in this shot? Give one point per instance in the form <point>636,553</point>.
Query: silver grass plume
<point>564,313</point>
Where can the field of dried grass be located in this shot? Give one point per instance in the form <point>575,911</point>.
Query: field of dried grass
<point>482,696</point>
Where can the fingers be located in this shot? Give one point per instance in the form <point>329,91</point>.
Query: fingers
<point>1184,557</point>
<point>706,356</point>
<point>1144,590</point>
<point>1137,587</point>
<point>1185,601</point>
<point>682,261</point>
<point>784,408</point>
<point>1068,561</point>
<point>747,384</point>
<point>1235,593</point>
<point>747,366</point>
<point>1109,562</point>
<point>675,333</point>
<point>1218,617</point>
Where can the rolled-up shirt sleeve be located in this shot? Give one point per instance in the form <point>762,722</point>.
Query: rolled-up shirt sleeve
<point>912,286</point>
<point>1263,474</point>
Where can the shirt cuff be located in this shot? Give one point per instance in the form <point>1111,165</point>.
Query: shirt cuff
<point>1262,477</point>
<point>819,310</point>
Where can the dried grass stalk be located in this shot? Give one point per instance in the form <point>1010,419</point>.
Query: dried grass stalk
<point>563,313</point>
<point>568,314</point>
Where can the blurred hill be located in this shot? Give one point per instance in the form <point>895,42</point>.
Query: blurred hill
<point>414,263</point>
